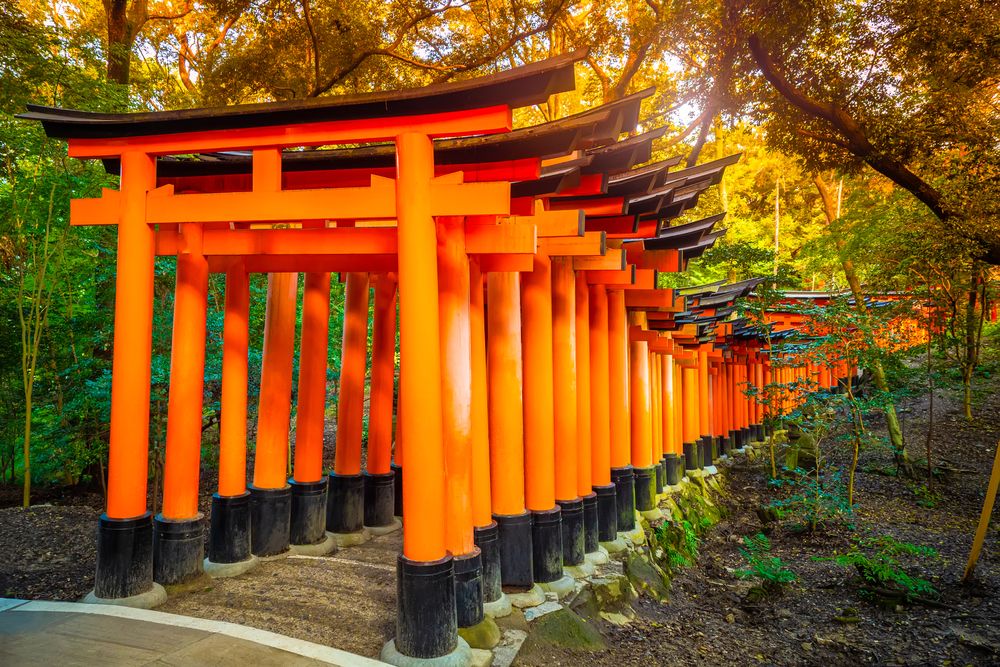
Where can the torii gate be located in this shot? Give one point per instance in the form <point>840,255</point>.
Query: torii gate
<point>341,219</point>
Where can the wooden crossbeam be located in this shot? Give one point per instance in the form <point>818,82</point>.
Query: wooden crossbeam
<point>488,120</point>
<point>660,299</point>
<point>449,196</point>
<point>332,242</point>
<point>591,244</point>
<point>613,260</point>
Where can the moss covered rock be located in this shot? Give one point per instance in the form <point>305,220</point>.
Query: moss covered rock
<point>564,629</point>
<point>485,634</point>
<point>647,577</point>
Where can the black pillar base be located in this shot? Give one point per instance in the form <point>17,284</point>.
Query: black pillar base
<point>691,456</point>
<point>426,619</point>
<point>573,547</point>
<point>705,451</point>
<point>379,499</point>
<point>124,556</point>
<point>724,446</point>
<point>469,589</point>
<point>591,523</point>
<point>607,513</point>
<point>746,435</point>
<point>178,549</point>
<point>516,568</point>
<point>308,524</point>
<point>714,450</point>
<point>397,490</point>
<point>661,476</point>
<point>229,529</point>
<point>645,489</point>
<point>758,432</point>
<point>546,545</point>
<point>345,503</point>
<point>487,538</point>
<point>672,464</point>
<point>270,520</point>
<point>737,438</point>
<point>624,481</point>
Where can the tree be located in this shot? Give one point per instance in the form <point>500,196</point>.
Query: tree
<point>905,87</point>
<point>878,372</point>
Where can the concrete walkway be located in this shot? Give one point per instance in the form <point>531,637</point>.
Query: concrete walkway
<point>61,634</point>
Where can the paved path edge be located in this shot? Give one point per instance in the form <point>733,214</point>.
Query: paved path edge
<point>300,647</point>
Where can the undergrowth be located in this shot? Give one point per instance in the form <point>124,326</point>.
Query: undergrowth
<point>770,571</point>
<point>878,562</point>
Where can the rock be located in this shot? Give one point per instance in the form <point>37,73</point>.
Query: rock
<point>646,577</point>
<point>541,610</point>
<point>730,618</point>
<point>483,635</point>
<point>615,619</point>
<point>564,629</point>
<point>807,646</point>
<point>481,658</point>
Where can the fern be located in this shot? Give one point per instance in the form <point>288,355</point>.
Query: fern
<point>876,560</point>
<point>770,570</point>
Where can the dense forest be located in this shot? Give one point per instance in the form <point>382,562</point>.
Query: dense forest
<point>867,132</point>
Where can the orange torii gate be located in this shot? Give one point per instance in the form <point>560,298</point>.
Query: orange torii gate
<point>411,120</point>
<point>493,488</point>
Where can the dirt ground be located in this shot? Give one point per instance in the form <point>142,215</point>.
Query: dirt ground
<point>348,601</point>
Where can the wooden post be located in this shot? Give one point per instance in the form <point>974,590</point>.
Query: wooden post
<point>482,508</point>
<point>456,382</point>
<point>564,377</point>
<point>187,380</point>
<point>274,410</point>
<point>583,391</point>
<point>426,622</point>
<point>599,392</point>
<point>308,464</point>
<point>233,418</point>
<point>618,379</point>
<point>351,396</point>
<point>380,429</point>
<point>128,450</point>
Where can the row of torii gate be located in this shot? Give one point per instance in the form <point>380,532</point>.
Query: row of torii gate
<point>547,388</point>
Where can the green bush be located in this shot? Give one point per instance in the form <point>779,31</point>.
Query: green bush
<point>770,571</point>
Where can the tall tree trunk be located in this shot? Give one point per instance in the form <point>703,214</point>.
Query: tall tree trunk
<point>877,370</point>
<point>120,40</point>
<point>972,327</point>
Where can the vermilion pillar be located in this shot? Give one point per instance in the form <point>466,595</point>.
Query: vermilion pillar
<point>759,402</point>
<point>671,444</point>
<point>229,540</point>
<point>584,476</point>
<point>379,478</point>
<point>426,618</point>
<point>270,495</point>
<point>539,426</point>
<point>641,426</point>
<point>177,532</point>
<point>456,402</point>
<point>309,488</point>
<point>600,430</point>
<point>345,509</point>
<point>506,422</point>
<point>656,385</point>
<point>564,409</point>
<point>125,532</point>
<point>618,396</point>
<point>692,424</point>
<point>704,409</point>
<point>486,532</point>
